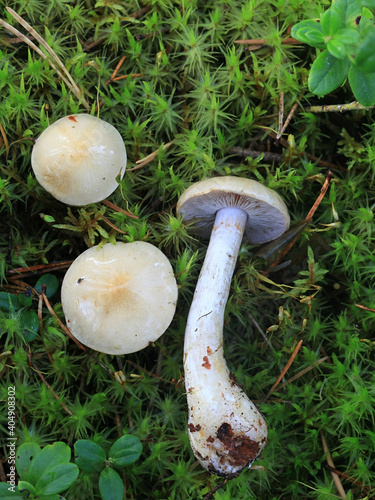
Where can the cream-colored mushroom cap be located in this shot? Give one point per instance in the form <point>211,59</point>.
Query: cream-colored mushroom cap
<point>268,216</point>
<point>119,298</point>
<point>79,159</point>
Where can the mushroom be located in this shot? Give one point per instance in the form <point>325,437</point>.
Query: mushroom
<point>118,299</point>
<point>79,158</point>
<point>227,432</point>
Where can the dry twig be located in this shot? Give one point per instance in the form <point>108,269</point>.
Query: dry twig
<point>148,159</point>
<point>335,477</point>
<point>287,366</point>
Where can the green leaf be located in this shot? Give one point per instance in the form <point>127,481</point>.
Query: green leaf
<point>24,456</point>
<point>327,73</point>
<point>309,32</point>
<point>348,36</point>
<point>24,486</point>
<point>365,58</point>
<point>57,479</point>
<point>9,301</point>
<point>50,456</point>
<point>89,455</point>
<point>51,282</point>
<point>336,49</point>
<point>331,21</point>
<point>55,496</point>
<point>8,492</point>
<point>126,450</point>
<point>366,23</point>
<point>25,299</point>
<point>368,3</point>
<point>110,485</point>
<point>363,86</point>
<point>347,10</point>
<point>47,218</point>
<point>30,325</point>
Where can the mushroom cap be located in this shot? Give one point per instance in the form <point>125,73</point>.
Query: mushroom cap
<point>79,158</point>
<point>268,216</point>
<point>119,298</point>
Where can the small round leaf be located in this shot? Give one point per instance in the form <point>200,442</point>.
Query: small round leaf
<point>57,479</point>
<point>90,456</point>
<point>51,282</point>
<point>110,485</point>
<point>30,325</point>
<point>24,456</point>
<point>9,301</point>
<point>327,73</point>
<point>126,450</point>
<point>50,456</point>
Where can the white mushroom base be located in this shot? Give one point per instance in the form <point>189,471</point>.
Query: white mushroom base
<point>226,430</point>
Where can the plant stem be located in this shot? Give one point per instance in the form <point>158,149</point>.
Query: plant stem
<point>338,108</point>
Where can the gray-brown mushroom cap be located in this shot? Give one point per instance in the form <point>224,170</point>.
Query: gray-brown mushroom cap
<point>268,216</point>
<point>79,159</point>
<point>118,299</point>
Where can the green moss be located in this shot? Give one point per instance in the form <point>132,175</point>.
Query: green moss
<point>204,94</point>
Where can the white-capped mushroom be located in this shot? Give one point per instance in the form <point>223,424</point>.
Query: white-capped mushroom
<point>227,432</point>
<point>79,159</point>
<point>118,299</point>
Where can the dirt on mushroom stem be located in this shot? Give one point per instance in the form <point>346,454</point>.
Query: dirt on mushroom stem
<point>226,430</point>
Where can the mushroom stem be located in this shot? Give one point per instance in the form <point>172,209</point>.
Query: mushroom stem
<point>226,430</point>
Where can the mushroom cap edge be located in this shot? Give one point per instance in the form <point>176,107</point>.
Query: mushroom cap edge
<point>268,216</point>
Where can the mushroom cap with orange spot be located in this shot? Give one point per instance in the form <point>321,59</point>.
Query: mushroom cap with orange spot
<point>79,159</point>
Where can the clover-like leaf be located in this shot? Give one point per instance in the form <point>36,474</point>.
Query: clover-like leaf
<point>57,479</point>
<point>24,456</point>
<point>126,450</point>
<point>110,485</point>
<point>30,325</point>
<point>90,456</point>
<point>50,456</point>
<point>51,282</point>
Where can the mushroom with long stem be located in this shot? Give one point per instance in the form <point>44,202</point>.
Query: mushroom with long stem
<point>118,299</point>
<point>227,432</point>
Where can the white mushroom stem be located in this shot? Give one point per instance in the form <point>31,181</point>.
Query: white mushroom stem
<point>226,430</point>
